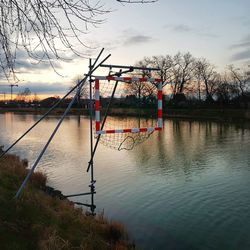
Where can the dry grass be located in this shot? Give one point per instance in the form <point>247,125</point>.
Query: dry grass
<point>38,221</point>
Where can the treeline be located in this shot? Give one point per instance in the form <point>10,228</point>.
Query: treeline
<point>190,80</point>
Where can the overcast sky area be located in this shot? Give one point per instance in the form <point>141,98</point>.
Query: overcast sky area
<point>218,30</point>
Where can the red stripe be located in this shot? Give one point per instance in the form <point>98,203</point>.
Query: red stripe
<point>143,130</point>
<point>111,131</point>
<point>159,113</point>
<point>97,126</point>
<point>158,129</point>
<point>143,79</point>
<point>127,130</point>
<point>159,94</point>
<point>97,105</point>
<point>158,80</point>
<point>127,79</point>
<point>110,78</point>
<point>97,84</point>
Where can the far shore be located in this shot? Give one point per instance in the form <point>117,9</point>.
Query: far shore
<point>223,114</point>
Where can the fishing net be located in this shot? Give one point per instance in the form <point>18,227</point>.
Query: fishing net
<point>132,101</point>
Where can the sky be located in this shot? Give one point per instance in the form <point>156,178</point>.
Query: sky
<point>218,30</point>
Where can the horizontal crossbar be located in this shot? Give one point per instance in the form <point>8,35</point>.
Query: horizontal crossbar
<point>129,130</point>
<point>129,67</point>
<point>128,79</point>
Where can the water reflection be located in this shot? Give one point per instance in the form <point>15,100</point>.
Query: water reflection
<point>185,188</point>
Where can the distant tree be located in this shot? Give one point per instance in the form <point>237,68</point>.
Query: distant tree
<point>224,89</point>
<point>82,93</point>
<point>183,72</point>
<point>240,78</point>
<point>164,63</point>
<point>205,73</point>
<point>36,99</point>
<point>23,95</point>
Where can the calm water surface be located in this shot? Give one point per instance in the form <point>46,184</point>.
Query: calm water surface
<point>185,188</point>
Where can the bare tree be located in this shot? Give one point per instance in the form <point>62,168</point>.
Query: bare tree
<point>165,64</point>
<point>23,96</point>
<point>46,29</point>
<point>183,68</point>
<point>205,73</point>
<point>241,79</point>
<point>225,90</point>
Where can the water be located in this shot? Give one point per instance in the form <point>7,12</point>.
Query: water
<point>185,188</point>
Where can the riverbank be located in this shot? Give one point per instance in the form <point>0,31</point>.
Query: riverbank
<point>226,114</point>
<point>40,221</point>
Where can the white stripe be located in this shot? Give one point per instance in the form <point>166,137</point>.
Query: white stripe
<point>101,77</point>
<point>160,86</point>
<point>160,123</point>
<point>136,79</point>
<point>135,130</point>
<point>97,116</point>
<point>97,94</point>
<point>101,132</point>
<point>159,104</point>
<point>119,79</point>
<point>151,129</point>
<point>119,131</point>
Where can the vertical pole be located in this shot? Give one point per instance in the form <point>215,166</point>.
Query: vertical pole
<point>92,181</point>
<point>104,120</point>
<point>11,86</point>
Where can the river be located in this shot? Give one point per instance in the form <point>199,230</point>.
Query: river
<point>184,188</point>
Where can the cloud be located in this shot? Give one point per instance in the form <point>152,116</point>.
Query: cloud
<point>243,48</point>
<point>39,61</point>
<point>41,88</point>
<point>240,45</point>
<point>180,28</point>
<point>137,39</point>
<point>243,55</point>
<point>183,28</point>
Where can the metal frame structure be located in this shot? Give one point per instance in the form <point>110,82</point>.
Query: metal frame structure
<point>99,131</point>
<point>88,78</point>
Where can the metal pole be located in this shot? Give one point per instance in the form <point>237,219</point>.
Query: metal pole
<point>54,132</point>
<point>57,103</point>
<point>92,182</point>
<point>104,120</point>
<point>11,87</point>
<point>46,145</point>
<point>91,124</point>
<point>129,67</point>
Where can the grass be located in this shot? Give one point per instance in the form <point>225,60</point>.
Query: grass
<point>38,221</point>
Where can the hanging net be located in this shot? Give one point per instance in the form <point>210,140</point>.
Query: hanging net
<point>125,127</point>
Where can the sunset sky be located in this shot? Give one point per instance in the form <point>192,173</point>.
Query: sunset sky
<point>218,30</point>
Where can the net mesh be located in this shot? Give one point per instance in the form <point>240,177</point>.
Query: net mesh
<point>132,100</point>
<point>126,141</point>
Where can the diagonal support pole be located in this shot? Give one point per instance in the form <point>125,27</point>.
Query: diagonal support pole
<point>103,123</point>
<point>52,135</point>
<point>57,103</point>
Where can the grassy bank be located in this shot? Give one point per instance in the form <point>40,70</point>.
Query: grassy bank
<point>234,115</point>
<point>38,221</point>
